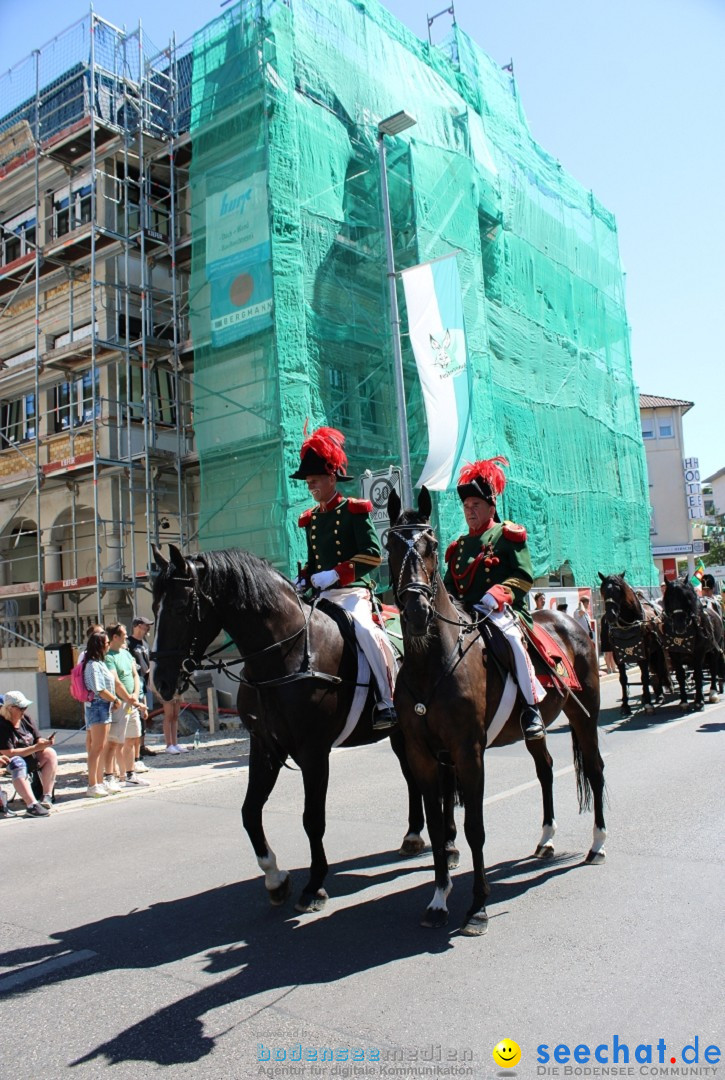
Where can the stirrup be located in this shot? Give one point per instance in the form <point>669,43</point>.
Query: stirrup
<point>384,717</point>
<point>531,724</point>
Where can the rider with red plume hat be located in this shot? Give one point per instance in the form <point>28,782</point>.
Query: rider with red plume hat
<point>489,570</point>
<point>342,547</point>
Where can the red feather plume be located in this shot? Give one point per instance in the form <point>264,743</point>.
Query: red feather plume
<point>328,442</point>
<point>489,470</point>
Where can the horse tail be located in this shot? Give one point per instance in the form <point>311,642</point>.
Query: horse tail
<point>583,787</point>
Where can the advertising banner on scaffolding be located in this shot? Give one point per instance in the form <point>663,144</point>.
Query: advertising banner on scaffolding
<point>238,257</point>
<point>438,337</point>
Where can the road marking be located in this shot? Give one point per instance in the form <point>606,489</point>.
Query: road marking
<point>531,784</point>
<point>47,967</point>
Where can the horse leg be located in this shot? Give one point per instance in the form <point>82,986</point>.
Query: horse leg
<point>447,776</point>
<point>413,842</point>
<point>625,709</point>
<point>469,769</point>
<point>425,768</point>
<point>681,681</point>
<point>589,769</point>
<point>315,777</point>
<point>699,702</point>
<point>712,696</point>
<point>545,772</point>
<point>263,773</point>
<point>646,697</point>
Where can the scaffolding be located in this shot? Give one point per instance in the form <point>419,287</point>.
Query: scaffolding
<point>97,455</point>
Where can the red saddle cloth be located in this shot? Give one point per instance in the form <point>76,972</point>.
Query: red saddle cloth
<point>553,655</point>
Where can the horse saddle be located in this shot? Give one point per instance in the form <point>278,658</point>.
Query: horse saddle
<point>551,665</point>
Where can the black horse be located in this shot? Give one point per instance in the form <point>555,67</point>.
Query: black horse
<point>694,637</point>
<point>632,629</point>
<point>298,682</point>
<point>447,695</point>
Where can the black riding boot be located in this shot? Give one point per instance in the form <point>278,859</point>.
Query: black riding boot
<point>531,723</point>
<point>384,717</point>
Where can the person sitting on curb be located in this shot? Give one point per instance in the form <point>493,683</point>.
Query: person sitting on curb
<point>23,749</point>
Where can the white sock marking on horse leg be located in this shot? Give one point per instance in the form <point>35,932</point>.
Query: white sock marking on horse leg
<point>438,903</point>
<point>273,876</point>
<point>547,836</point>
<point>598,838</point>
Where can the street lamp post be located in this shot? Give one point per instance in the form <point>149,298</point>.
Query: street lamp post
<point>393,125</point>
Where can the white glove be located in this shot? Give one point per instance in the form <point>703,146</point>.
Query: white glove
<point>300,584</point>
<point>486,604</point>
<point>325,579</point>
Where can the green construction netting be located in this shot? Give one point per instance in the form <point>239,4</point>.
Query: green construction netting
<point>288,286</point>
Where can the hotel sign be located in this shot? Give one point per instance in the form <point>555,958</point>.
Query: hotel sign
<point>693,492</point>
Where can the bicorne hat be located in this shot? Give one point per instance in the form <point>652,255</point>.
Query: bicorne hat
<point>322,452</point>
<point>482,480</point>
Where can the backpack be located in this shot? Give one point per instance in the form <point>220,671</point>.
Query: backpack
<point>78,689</point>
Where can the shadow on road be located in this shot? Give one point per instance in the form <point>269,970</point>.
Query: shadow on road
<point>279,949</point>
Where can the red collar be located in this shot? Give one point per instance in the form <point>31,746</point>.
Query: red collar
<point>480,532</point>
<point>334,502</point>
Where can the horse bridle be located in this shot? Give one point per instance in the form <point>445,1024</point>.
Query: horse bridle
<point>190,663</point>
<point>427,588</point>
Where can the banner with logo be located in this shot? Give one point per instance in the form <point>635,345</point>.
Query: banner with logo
<point>238,259</point>
<point>437,333</point>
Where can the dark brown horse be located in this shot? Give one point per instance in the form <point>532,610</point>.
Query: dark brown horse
<point>298,681</point>
<point>694,637</point>
<point>447,696</point>
<point>633,630</point>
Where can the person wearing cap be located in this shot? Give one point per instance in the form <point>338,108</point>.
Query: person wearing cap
<point>342,547</point>
<point>23,750</point>
<point>138,647</point>
<point>709,597</point>
<point>490,573</point>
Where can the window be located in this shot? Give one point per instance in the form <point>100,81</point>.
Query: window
<point>69,213</point>
<point>163,395</point>
<point>73,402</point>
<point>665,427</point>
<point>17,237</point>
<point>339,406</point>
<point>648,427</point>
<point>17,420</point>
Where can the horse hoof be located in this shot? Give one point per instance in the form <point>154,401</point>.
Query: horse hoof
<point>713,699</point>
<point>596,857</point>
<point>625,711</point>
<point>544,851</point>
<point>649,709</point>
<point>453,857</point>
<point>476,924</point>
<point>698,706</point>
<point>278,896</point>
<point>311,902</point>
<point>412,846</point>
<point>434,918</point>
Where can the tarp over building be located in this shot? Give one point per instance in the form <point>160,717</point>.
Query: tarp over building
<point>288,286</point>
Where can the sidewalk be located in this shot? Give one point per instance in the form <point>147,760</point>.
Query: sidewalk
<point>216,754</point>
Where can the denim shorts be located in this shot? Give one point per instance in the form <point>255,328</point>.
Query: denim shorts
<point>98,711</point>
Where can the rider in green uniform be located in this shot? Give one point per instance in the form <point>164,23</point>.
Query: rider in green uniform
<point>490,572</point>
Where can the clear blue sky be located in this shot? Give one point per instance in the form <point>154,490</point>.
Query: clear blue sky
<point>629,95</point>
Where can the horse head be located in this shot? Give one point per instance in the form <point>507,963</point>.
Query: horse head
<point>681,605</point>
<point>620,600</point>
<point>413,560</point>
<point>185,622</point>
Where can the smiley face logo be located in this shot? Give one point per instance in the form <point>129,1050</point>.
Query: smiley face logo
<point>507,1053</point>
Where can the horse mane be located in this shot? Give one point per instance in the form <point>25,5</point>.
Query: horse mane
<point>244,580</point>
<point>684,587</point>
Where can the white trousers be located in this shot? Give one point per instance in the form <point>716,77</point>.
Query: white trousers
<point>372,640</point>
<point>531,689</point>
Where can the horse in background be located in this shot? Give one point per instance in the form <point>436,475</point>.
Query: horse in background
<point>447,695</point>
<point>633,631</point>
<point>295,694</point>
<point>693,636</point>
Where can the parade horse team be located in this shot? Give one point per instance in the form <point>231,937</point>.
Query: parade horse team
<point>316,667</point>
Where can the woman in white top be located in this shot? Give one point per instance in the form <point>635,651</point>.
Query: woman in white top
<point>98,678</point>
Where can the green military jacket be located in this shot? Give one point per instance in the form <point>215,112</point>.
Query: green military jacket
<point>341,536</point>
<point>499,556</point>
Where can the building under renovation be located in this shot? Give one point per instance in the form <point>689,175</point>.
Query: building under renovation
<point>192,258</point>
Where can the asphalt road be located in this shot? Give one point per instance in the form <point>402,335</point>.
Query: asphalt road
<point>136,935</point>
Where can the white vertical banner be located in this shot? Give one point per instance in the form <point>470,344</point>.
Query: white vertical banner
<point>437,334</point>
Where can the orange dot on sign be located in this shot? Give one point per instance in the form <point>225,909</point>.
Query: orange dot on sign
<point>240,290</point>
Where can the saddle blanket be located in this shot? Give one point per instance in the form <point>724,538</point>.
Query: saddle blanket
<point>553,655</point>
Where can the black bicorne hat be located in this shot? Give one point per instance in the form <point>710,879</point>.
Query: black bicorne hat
<point>322,452</point>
